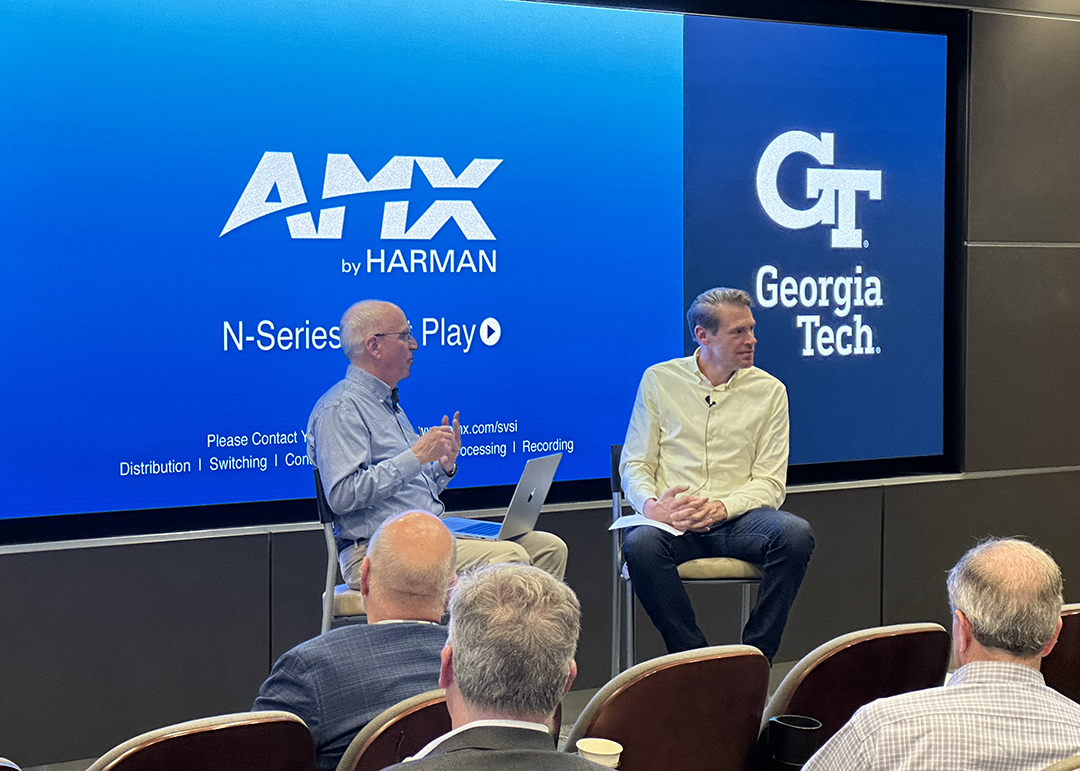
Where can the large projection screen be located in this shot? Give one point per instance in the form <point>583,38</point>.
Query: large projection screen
<point>194,192</point>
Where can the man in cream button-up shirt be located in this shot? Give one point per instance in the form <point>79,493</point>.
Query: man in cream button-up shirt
<point>706,453</point>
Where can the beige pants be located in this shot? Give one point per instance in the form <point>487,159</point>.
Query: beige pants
<point>544,550</point>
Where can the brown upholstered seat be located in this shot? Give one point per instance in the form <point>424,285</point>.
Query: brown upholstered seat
<point>698,709</point>
<point>1068,764</point>
<point>247,741</point>
<point>831,682</point>
<point>1061,669</point>
<point>403,730</point>
<point>397,733</point>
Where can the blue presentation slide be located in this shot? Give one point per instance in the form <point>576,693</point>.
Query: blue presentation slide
<point>195,191</point>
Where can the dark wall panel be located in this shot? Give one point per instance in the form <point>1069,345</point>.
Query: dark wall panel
<point>297,577</point>
<point>928,527</point>
<point>842,588</point>
<point>1024,122</point>
<point>101,644</point>
<point>1023,357</point>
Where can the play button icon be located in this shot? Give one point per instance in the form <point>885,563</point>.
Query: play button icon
<point>490,331</point>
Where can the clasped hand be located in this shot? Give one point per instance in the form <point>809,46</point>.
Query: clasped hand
<point>685,512</point>
<point>440,443</point>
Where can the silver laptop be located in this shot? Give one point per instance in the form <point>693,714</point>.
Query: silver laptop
<point>529,497</point>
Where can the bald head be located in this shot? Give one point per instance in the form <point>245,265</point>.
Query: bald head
<point>365,318</point>
<point>409,568</point>
<point>1010,591</point>
<point>376,337</point>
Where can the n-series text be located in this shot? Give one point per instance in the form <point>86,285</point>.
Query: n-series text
<point>269,336</point>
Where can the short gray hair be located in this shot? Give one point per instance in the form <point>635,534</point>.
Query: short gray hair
<point>702,311</point>
<point>409,564</point>
<point>513,631</point>
<point>360,320</point>
<point>1011,593</point>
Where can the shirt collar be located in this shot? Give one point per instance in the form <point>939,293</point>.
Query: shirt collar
<point>366,380</point>
<point>708,383</point>
<point>477,724</point>
<point>995,672</point>
<point>406,621</point>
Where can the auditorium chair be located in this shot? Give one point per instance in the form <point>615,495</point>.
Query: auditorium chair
<point>710,570</point>
<point>832,681</point>
<point>339,601</point>
<point>397,733</point>
<point>1061,669</point>
<point>697,709</point>
<point>1069,764</point>
<point>403,730</point>
<point>247,741</point>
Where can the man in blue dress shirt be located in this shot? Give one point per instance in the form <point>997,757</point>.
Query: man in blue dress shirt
<point>372,462</point>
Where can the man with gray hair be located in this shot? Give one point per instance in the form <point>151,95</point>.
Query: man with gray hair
<point>373,464</point>
<point>508,661</point>
<point>995,712</point>
<point>339,681</point>
<point>705,458</point>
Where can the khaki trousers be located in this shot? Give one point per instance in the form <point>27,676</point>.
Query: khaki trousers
<point>544,550</point>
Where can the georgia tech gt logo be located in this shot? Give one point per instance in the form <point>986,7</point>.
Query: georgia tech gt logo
<point>835,188</point>
<point>343,178</point>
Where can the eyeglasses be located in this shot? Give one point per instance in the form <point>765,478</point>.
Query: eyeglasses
<point>404,337</point>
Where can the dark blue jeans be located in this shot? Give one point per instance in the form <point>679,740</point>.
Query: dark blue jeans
<point>777,542</point>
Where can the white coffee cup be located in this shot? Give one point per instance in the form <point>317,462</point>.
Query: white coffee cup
<point>602,751</point>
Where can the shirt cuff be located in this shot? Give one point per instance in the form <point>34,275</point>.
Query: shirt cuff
<point>408,463</point>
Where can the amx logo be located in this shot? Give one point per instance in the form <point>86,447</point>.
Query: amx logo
<point>835,188</point>
<point>343,178</point>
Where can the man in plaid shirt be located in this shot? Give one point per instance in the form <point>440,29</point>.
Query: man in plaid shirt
<point>995,713</point>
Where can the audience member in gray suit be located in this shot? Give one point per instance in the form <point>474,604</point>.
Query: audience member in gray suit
<point>339,681</point>
<point>505,668</point>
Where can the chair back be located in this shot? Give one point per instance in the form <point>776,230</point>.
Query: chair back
<point>397,733</point>
<point>338,600</point>
<point>248,741</point>
<point>689,710</point>
<point>616,477</point>
<point>326,515</point>
<point>1069,764</point>
<point>622,598</point>
<point>831,682</point>
<point>1061,669</point>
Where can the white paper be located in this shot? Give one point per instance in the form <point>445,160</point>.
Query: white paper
<point>633,520</point>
